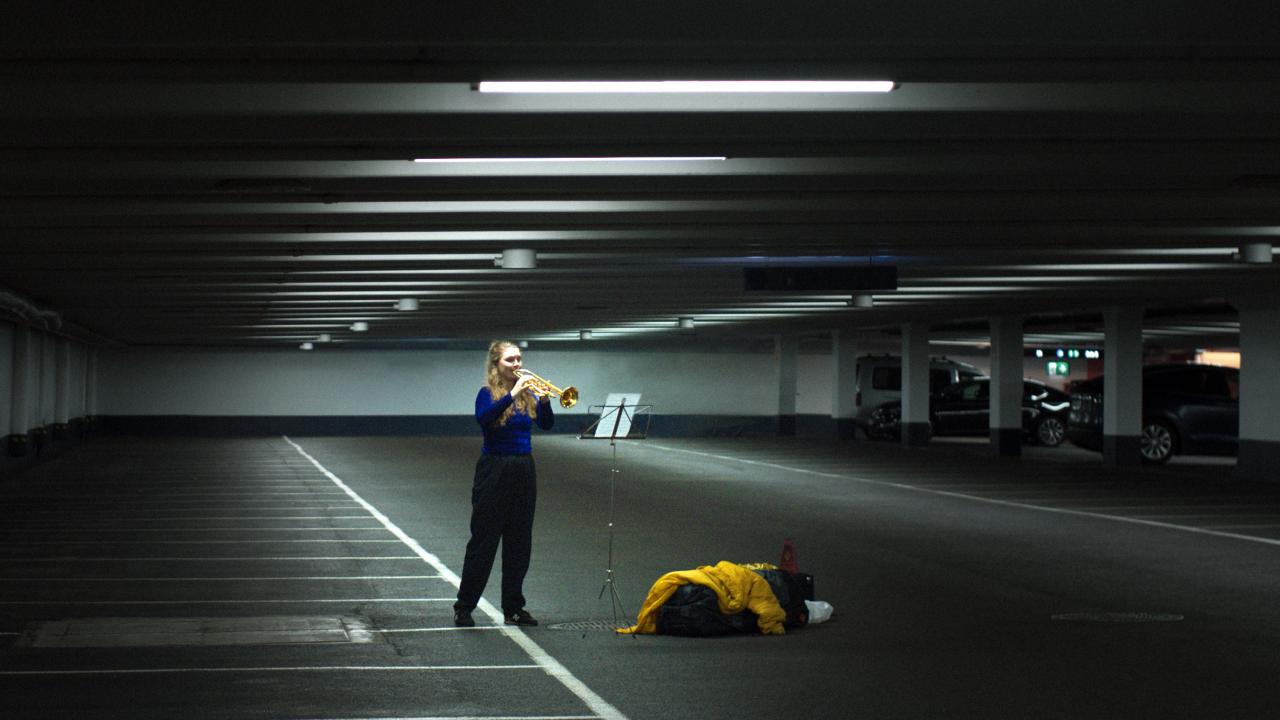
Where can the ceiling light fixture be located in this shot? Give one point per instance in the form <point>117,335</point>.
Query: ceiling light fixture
<point>862,300</point>
<point>306,346</point>
<point>685,323</point>
<point>407,304</point>
<point>689,86</point>
<point>517,259</point>
<point>1255,253</point>
<point>639,158</point>
<point>360,326</point>
<point>584,334</point>
<point>324,337</point>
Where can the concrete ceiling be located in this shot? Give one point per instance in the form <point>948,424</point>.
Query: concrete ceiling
<point>243,174</point>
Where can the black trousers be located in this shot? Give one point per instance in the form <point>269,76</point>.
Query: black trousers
<point>502,501</point>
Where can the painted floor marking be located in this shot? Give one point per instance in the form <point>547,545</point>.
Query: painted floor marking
<point>480,717</point>
<point>286,668</point>
<point>229,601</point>
<point>976,498</point>
<point>149,542</point>
<point>255,578</point>
<point>148,496</point>
<point>125,558</point>
<point>544,660</point>
<point>439,629</point>
<point>202,518</point>
<point>11,530</point>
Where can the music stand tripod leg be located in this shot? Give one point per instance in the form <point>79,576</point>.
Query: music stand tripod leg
<point>615,599</point>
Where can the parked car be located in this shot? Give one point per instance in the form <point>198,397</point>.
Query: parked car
<point>965,409</point>
<point>1186,409</point>
<point>880,381</point>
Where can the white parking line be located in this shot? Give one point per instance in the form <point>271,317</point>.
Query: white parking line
<point>202,518</point>
<point>439,629</point>
<point>90,499</point>
<point>13,529</point>
<point>255,578</point>
<point>288,668</point>
<point>976,498</point>
<point>202,558</point>
<point>230,601</point>
<point>94,541</point>
<point>544,660</point>
<point>479,717</point>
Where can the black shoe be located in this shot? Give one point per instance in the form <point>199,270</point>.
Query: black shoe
<point>462,618</point>
<point>521,618</point>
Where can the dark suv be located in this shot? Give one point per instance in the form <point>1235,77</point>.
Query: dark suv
<point>1186,409</point>
<point>964,409</point>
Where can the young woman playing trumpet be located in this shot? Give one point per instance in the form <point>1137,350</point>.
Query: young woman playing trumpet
<point>505,487</point>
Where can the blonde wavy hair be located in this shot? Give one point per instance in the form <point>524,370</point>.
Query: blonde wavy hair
<point>526,403</point>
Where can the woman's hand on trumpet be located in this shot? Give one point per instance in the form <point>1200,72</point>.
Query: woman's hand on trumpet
<point>526,382</point>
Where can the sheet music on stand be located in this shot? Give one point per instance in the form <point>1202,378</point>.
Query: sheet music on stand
<point>622,417</point>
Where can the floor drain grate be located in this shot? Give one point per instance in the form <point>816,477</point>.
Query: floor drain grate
<point>608,625</point>
<point>1118,617</point>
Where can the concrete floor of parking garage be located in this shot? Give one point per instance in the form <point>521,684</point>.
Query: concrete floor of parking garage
<point>203,578</point>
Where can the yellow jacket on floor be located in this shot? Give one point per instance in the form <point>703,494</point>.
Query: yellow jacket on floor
<point>737,588</point>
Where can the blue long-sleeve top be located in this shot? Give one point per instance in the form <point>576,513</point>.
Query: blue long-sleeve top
<point>512,438</point>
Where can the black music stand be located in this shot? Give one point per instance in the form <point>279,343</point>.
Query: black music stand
<point>621,418</point>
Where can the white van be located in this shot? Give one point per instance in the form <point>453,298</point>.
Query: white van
<point>880,381</point>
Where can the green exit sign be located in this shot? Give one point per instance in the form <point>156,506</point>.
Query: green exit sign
<point>1057,367</point>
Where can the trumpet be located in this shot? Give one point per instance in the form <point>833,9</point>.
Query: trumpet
<point>568,396</point>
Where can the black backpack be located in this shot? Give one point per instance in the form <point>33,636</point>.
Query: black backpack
<point>694,610</point>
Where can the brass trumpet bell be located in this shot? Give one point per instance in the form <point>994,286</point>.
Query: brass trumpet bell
<point>568,396</point>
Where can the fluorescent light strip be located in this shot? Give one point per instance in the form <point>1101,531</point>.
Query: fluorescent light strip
<point>682,158</point>
<point>690,86</point>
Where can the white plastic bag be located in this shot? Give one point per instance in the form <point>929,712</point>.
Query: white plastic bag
<point>819,611</point>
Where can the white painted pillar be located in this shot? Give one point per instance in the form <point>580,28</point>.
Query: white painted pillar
<point>1122,386</point>
<point>42,357</point>
<point>76,388</point>
<point>1006,385</point>
<point>61,384</point>
<point>915,384</point>
<point>42,417</point>
<point>90,383</point>
<point>21,392</point>
<point>787,351</point>
<point>844,382</point>
<point>6,380</point>
<point>1259,455</point>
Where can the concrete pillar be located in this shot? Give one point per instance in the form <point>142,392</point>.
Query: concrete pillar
<point>91,383</point>
<point>6,379</point>
<point>787,351</point>
<point>1006,386</point>
<point>1122,386</point>
<point>844,382</point>
<point>61,386</point>
<point>915,385</point>
<point>1259,387</point>
<point>43,345</point>
<point>20,393</point>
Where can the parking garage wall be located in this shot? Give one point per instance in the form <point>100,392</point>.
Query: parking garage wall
<point>344,391</point>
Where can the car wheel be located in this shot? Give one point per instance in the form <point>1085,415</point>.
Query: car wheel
<point>1051,431</point>
<point>883,424</point>
<point>1159,441</point>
